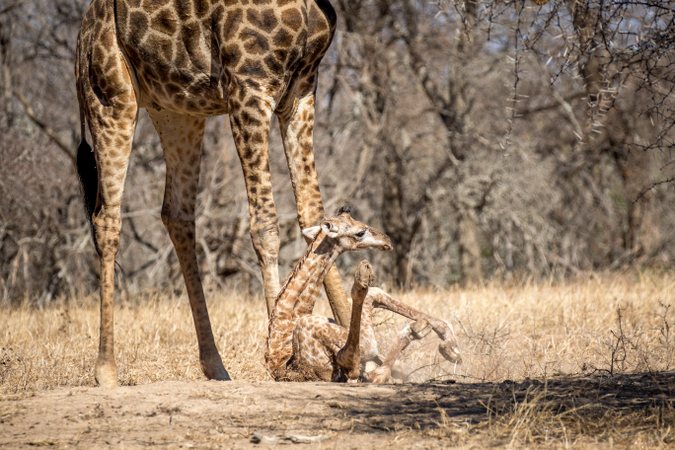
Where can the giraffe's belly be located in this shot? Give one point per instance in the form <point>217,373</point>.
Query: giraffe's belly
<point>203,96</point>
<point>185,54</point>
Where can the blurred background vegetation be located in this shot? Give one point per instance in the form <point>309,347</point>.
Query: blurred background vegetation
<point>491,140</point>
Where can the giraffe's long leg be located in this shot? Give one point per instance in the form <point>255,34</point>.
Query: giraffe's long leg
<point>448,346</point>
<point>369,346</point>
<point>108,100</point>
<point>250,114</point>
<point>410,332</point>
<point>349,357</point>
<point>181,137</point>
<point>297,131</point>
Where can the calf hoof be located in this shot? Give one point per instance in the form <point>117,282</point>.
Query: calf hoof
<point>379,375</point>
<point>420,329</point>
<point>400,371</point>
<point>364,276</point>
<point>449,351</point>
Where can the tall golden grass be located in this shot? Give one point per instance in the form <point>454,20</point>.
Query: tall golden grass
<point>611,323</point>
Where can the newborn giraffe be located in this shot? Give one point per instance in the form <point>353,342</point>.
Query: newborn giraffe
<point>303,347</point>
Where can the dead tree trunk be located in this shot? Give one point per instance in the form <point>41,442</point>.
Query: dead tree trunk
<point>452,107</point>
<point>608,132</point>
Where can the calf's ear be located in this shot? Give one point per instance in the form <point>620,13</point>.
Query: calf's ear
<point>330,229</point>
<point>311,232</point>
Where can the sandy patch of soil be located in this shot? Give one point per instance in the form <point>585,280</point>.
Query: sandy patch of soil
<point>266,414</point>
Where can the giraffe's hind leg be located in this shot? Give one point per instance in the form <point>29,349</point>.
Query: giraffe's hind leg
<point>326,351</point>
<point>411,332</point>
<point>108,101</point>
<point>181,137</point>
<point>297,131</point>
<point>316,342</point>
<point>449,348</point>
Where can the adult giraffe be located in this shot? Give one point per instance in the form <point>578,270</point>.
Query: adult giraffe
<point>183,61</point>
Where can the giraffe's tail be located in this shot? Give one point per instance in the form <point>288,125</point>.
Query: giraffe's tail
<point>86,160</point>
<point>86,169</point>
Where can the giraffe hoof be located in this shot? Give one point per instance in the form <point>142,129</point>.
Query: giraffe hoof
<point>379,375</point>
<point>214,370</point>
<point>420,329</point>
<point>220,376</point>
<point>106,375</point>
<point>364,275</point>
<point>450,352</point>
<point>400,371</point>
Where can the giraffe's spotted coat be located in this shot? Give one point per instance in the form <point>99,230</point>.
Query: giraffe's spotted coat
<point>302,347</point>
<point>183,61</point>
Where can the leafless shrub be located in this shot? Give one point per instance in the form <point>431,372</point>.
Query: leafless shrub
<point>491,140</point>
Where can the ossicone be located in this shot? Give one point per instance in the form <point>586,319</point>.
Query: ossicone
<point>346,209</point>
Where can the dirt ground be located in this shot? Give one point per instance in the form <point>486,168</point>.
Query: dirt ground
<point>594,411</point>
<point>585,364</point>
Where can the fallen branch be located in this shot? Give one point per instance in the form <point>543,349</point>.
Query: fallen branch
<point>259,438</point>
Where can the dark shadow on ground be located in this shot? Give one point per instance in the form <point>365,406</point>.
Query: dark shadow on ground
<point>589,404</point>
<point>634,410</point>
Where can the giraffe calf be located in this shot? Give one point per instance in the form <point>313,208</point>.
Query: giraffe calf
<point>303,347</point>
<point>322,349</point>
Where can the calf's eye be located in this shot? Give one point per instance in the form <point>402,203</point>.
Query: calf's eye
<point>360,234</point>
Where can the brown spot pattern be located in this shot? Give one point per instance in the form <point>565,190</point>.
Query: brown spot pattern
<point>192,59</point>
<point>302,347</point>
<point>292,18</point>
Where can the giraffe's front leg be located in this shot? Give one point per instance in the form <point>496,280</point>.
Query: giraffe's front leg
<point>250,121</point>
<point>181,137</point>
<point>296,122</point>
<point>349,357</point>
<point>369,345</point>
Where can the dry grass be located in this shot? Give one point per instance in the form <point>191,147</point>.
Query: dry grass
<point>540,417</point>
<point>154,335</point>
<point>611,324</point>
<point>608,325</point>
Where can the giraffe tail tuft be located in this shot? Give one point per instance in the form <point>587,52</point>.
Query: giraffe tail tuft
<point>88,173</point>
<point>86,160</point>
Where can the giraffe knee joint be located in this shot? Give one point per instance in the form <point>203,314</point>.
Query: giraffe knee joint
<point>175,220</point>
<point>107,226</point>
<point>266,239</point>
